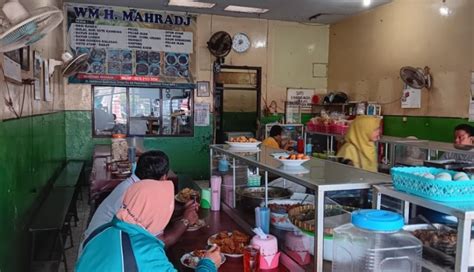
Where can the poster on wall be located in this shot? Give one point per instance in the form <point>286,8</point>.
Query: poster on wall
<point>37,75</point>
<point>300,97</point>
<point>47,89</point>
<point>201,114</point>
<point>132,47</point>
<point>411,98</point>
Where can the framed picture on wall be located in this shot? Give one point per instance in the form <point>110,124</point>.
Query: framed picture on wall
<point>37,74</point>
<point>25,58</point>
<point>203,89</point>
<point>46,86</point>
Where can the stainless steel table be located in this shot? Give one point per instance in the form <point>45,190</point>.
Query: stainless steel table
<point>463,211</point>
<point>323,176</point>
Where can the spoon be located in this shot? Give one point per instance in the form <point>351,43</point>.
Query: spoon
<point>427,221</point>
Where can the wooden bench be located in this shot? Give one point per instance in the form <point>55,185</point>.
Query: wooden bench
<point>53,220</point>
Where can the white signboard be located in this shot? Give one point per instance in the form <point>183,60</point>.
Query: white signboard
<point>411,98</point>
<point>300,97</point>
<point>119,37</point>
<point>12,69</point>
<point>201,114</point>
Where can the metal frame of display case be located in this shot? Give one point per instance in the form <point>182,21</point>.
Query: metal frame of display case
<point>463,211</point>
<point>390,143</point>
<point>325,176</point>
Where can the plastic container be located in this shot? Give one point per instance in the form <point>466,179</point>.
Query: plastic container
<point>408,179</point>
<point>375,241</point>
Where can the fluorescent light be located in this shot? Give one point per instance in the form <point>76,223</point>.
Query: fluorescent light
<point>366,3</point>
<point>444,10</point>
<point>245,9</point>
<point>190,4</point>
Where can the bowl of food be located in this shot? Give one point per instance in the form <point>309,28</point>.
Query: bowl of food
<point>243,142</point>
<point>251,197</point>
<point>293,160</point>
<point>279,212</point>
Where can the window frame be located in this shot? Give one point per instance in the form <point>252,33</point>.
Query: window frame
<point>128,111</point>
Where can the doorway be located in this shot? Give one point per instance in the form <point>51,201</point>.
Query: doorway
<point>237,101</point>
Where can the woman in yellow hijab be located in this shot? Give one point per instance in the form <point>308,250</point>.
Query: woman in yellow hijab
<point>359,146</point>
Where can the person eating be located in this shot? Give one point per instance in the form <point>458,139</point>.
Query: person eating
<point>152,165</point>
<point>275,140</point>
<point>129,242</point>
<point>462,136</point>
<point>359,147</point>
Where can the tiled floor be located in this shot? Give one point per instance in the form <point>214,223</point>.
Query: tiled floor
<point>83,210</point>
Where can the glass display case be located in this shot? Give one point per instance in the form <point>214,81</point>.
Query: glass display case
<point>317,185</point>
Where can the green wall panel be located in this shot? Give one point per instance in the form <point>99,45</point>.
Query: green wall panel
<point>32,149</point>
<point>188,155</point>
<point>429,128</point>
<point>239,121</point>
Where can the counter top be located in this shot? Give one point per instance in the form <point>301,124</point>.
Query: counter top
<point>321,174</point>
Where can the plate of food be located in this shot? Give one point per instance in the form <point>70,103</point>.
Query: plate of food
<point>232,244</point>
<point>293,160</point>
<point>243,142</point>
<point>199,224</point>
<point>186,194</point>
<point>191,259</point>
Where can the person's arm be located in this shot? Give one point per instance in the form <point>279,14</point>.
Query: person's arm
<point>206,265</point>
<point>172,233</point>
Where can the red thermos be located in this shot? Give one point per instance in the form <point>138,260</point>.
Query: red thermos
<point>300,145</point>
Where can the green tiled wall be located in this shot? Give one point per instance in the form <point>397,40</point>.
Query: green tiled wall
<point>429,128</point>
<point>189,155</point>
<point>31,150</point>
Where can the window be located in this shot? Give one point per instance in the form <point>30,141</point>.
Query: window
<point>143,111</point>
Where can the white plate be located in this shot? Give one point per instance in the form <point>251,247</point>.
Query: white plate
<point>292,163</point>
<point>226,254</point>
<point>244,145</point>
<point>294,170</point>
<point>201,223</point>
<point>280,154</point>
<point>244,150</point>
<point>190,255</point>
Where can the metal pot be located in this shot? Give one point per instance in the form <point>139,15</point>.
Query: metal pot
<point>251,197</point>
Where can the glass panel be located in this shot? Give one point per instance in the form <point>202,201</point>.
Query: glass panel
<point>110,110</point>
<point>145,111</point>
<point>177,112</point>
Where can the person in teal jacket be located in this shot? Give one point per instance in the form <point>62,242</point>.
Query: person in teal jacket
<point>128,243</point>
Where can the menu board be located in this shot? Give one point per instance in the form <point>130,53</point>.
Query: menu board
<point>131,47</point>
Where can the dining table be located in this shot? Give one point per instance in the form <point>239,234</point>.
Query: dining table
<point>216,221</point>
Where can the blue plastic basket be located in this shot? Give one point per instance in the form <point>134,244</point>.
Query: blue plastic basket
<point>404,179</point>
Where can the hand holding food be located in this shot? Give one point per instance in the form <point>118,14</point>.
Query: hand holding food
<point>186,195</point>
<point>191,215</point>
<point>214,254</point>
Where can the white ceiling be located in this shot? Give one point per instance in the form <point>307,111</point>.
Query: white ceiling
<point>286,10</point>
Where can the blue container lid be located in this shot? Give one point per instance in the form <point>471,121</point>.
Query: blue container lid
<point>377,220</point>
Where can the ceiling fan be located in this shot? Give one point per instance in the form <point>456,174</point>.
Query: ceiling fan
<point>20,28</point>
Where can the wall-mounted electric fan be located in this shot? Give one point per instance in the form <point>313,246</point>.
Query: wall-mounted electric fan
<point>71,64</point>
<point>416,78</point>
<point>20,28</point>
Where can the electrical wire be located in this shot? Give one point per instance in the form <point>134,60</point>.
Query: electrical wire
<point>8,102</point>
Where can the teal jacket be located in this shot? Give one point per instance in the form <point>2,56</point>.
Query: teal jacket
<point>120,246</point>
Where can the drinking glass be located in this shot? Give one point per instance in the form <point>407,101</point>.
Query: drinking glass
<point>251,258</point>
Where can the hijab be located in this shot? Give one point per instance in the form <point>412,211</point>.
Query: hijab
<point>358,146</point>
<point>148,204</point>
